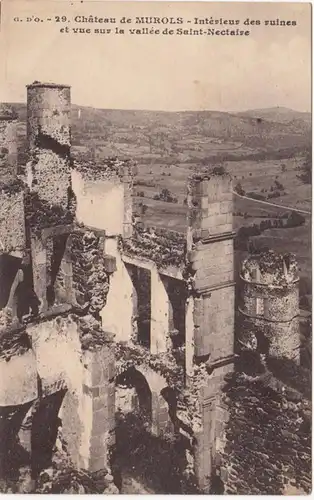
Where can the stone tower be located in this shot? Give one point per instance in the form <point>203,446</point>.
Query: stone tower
<point>49,207</point>
<point>210,242</point>
<point>49,139</point>
<point>270,306</point>
<point>210,254</point>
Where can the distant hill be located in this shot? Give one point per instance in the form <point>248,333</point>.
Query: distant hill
<point>278,114</point>
<point>187,136</point>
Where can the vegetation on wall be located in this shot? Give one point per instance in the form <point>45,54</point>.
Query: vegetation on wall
<point>164,247</point>
<point>41,214</point>
<point>90,279</point>
<point>128,355</point>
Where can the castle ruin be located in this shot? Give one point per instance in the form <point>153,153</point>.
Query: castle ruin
<point>100,316</point>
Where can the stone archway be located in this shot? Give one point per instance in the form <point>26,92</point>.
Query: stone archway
<point>133,394</point>
<point>145,459</point>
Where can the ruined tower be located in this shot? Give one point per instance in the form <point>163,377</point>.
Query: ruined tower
<point>49,207</point>
<point>210,242</point>
<point>49,139</point>
<point>210,254</point>
<point>270,306</point>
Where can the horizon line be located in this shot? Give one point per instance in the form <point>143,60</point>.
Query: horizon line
<point>178,110</point>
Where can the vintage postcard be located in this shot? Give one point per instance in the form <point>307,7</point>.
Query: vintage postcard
<point>155,247</point>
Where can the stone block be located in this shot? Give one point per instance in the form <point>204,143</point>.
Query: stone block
<point>214,268</point>
<point>213,280</point>
<point>204,202</point>
<point>226,207</point>
<point>213,221</point>
<point>214,209</point>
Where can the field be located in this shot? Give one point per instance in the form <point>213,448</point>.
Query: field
<point>263,150</point>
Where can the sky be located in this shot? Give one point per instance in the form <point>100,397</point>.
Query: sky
<point>271,67</point>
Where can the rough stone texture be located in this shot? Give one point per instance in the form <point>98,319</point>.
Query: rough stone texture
<point>12,222</point>
<point>90,278</point>
<point>48,130</point>
<point>268,442</point>
<point>270,306</point>
<point>162,246</point>
<point>8,144</point>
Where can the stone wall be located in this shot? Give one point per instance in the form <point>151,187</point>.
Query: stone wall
<point>212,263</point>
<point>12,222</point>
<point>88,411</point>
<point>268,440</point>
<point>55,344</point>
<point>8,144</point>
<point>95,202</point>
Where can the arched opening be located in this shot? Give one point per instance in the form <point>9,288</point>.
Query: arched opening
<point>145,462</point>
<point>44,430</point>
<point>134,394</point>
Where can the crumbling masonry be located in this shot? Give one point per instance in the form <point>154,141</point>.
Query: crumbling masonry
<point>101,317</point>
<point>271,304</point>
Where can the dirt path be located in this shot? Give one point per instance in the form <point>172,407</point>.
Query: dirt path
<point>272,204</point>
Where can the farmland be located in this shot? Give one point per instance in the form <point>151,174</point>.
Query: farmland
<point>263,150</point>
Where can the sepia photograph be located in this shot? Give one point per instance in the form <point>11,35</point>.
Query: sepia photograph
<point>155,247</point>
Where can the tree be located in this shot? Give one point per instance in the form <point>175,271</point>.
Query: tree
<point>306,168</point>
<point>239,189</point>
<point>295,219</point>
<point>144,209</point>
